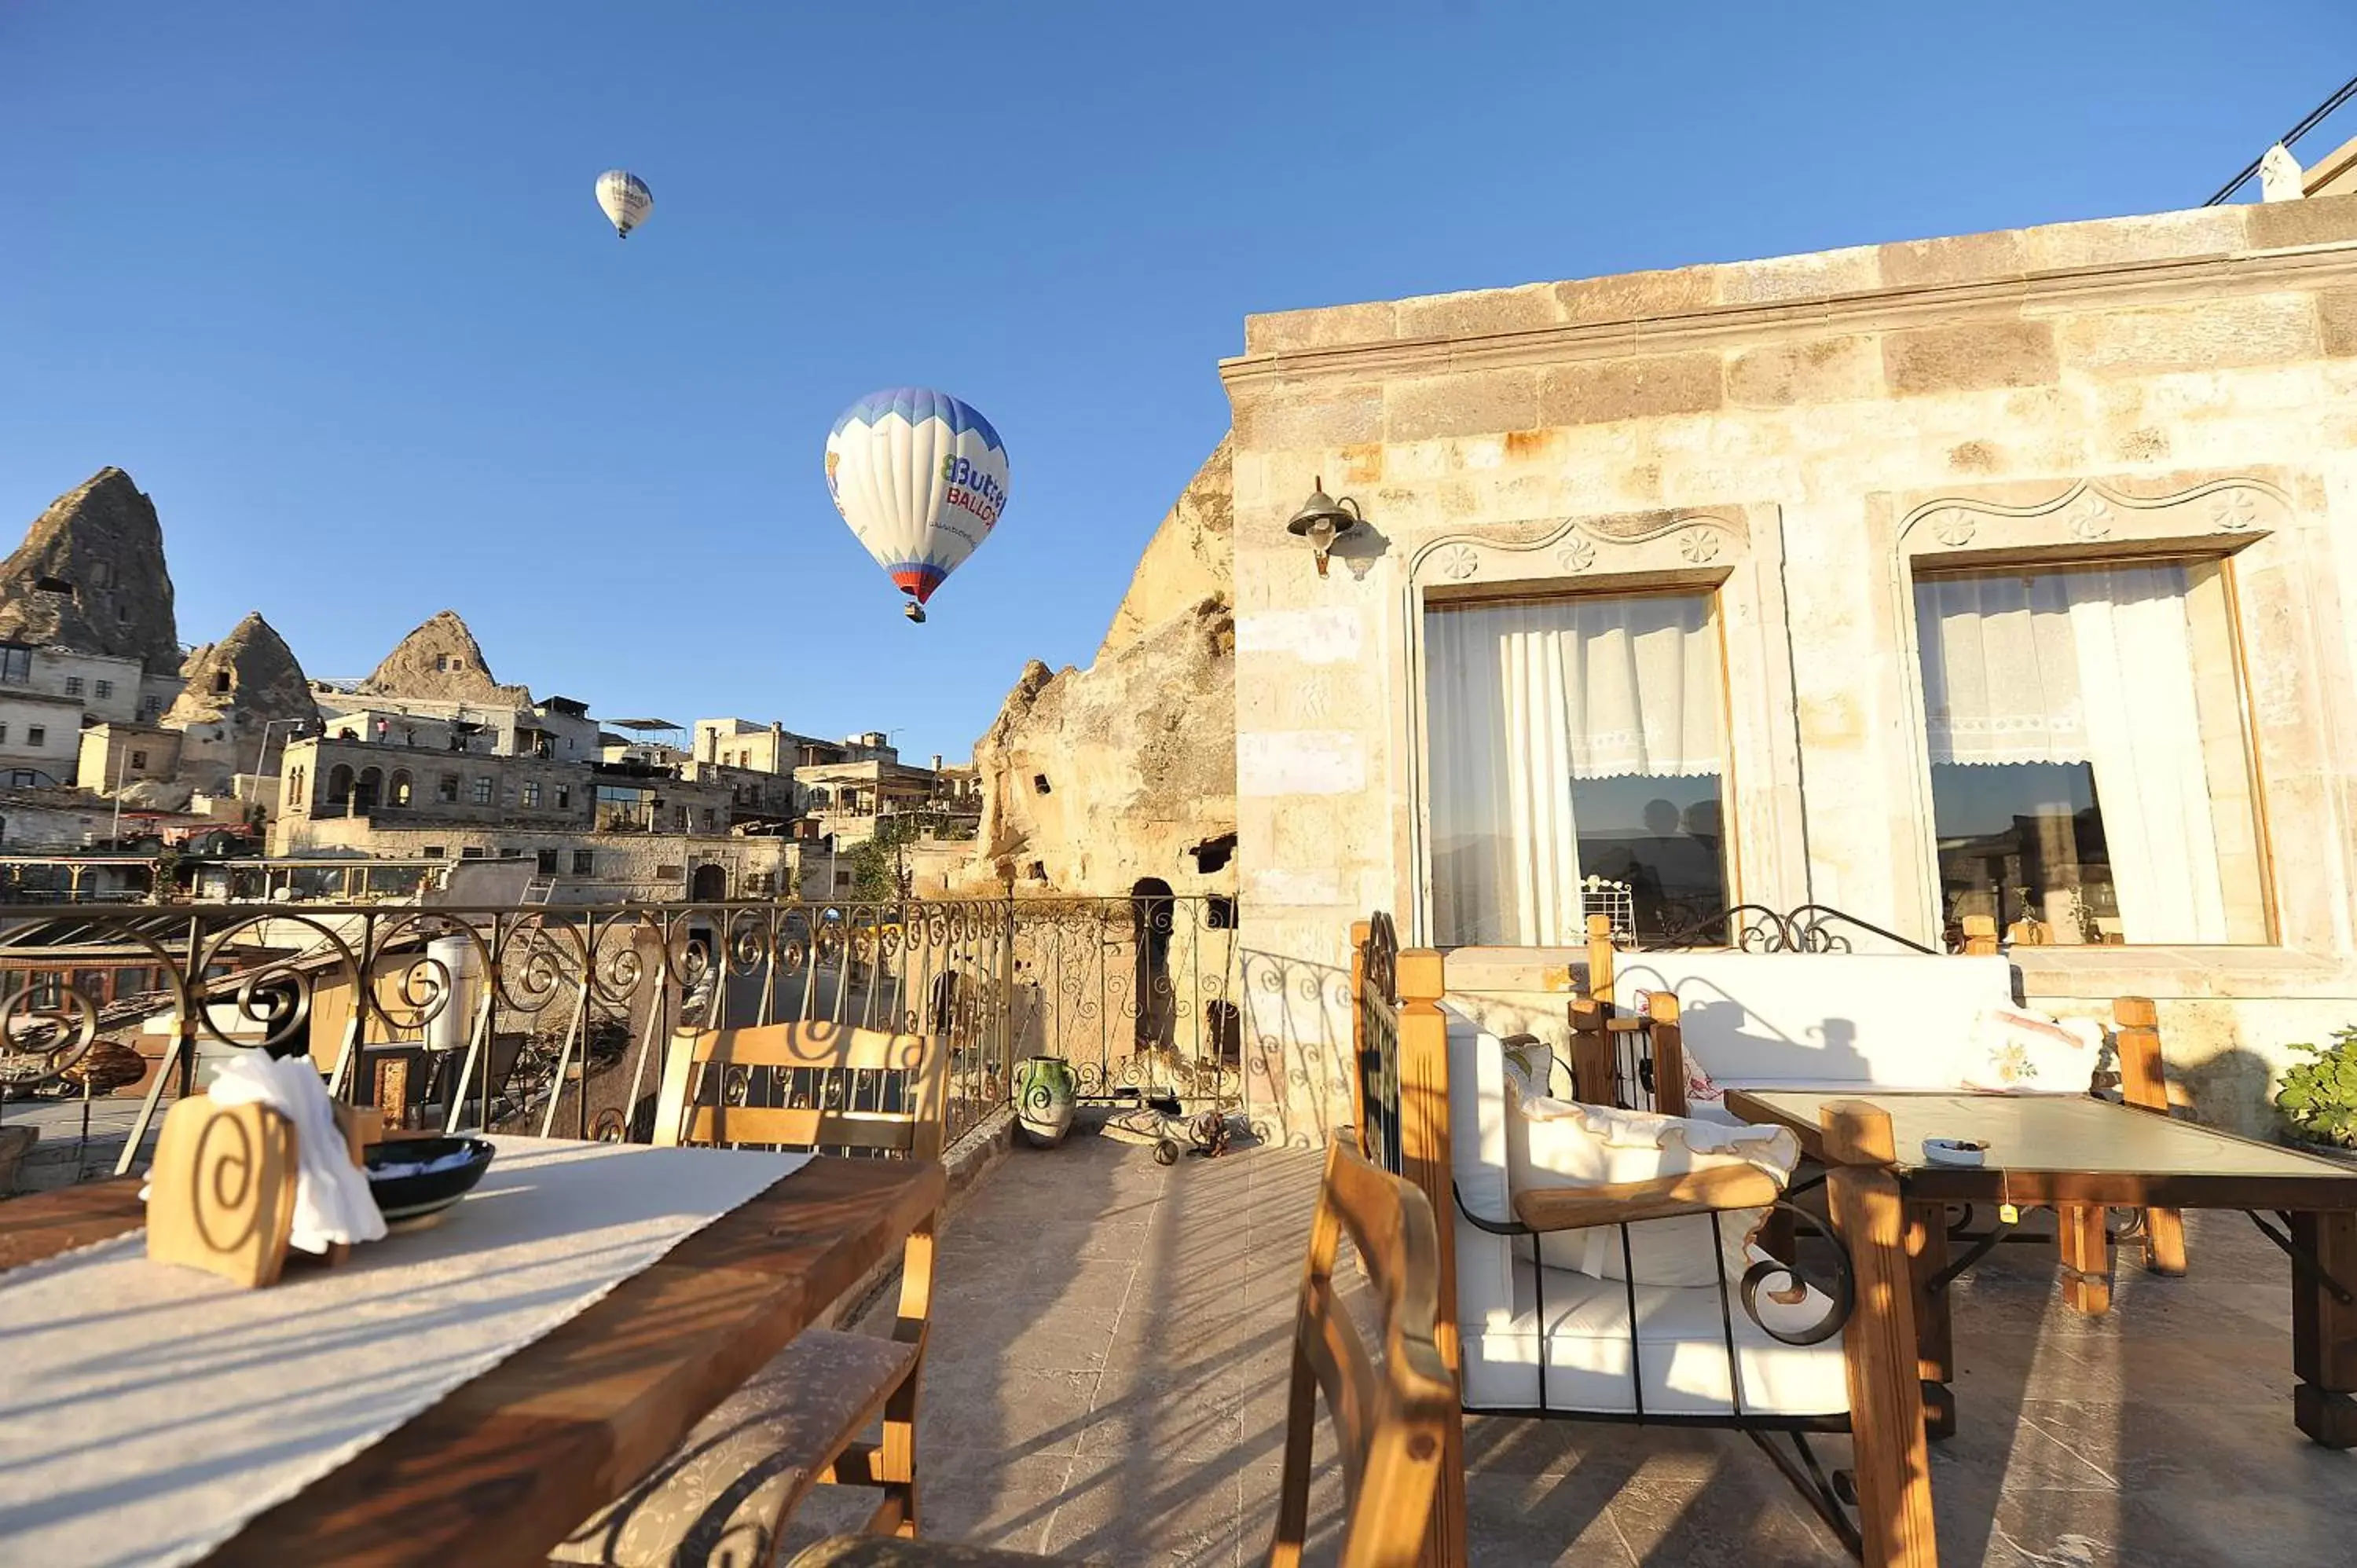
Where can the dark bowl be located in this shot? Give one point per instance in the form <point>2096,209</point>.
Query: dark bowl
<point>404,1198</point>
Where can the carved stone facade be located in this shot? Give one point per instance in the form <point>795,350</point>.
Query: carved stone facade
<point>1797,439</point>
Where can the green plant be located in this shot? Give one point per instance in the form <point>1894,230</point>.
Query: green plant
<point>2320,1098</point>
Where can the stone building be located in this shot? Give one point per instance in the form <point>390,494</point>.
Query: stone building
<point>2005,573</point>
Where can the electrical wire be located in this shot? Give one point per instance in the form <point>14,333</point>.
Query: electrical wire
<point>2348,90</point>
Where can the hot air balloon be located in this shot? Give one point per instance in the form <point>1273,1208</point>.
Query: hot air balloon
<point>625,199</point>
<point>921,478</point>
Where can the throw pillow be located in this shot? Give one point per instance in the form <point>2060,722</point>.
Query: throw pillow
<point>1553,1144</point>
<point>2016,1052</point>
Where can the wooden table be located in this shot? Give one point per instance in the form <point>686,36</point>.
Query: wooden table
<point>2081,1156</point>
<point>502,1468</point>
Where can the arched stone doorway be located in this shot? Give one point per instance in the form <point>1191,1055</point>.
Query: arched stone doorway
<point>368,794</point>
<point>1153,914</point>
<point>709,884</point>
<point>340,786</point>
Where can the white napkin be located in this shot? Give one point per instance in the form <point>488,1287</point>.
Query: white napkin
<point>332,1194</point>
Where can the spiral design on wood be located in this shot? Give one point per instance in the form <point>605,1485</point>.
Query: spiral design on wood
<point>226,1174</point>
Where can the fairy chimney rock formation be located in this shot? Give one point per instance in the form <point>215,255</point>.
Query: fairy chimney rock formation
<point>440,659</point>
<point>1191,557</point>
<point>90,576</point>
<point>242,693</point>
<point>1096,779</point>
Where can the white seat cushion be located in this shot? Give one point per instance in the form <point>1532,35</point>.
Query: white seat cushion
<point>1682,1346</point>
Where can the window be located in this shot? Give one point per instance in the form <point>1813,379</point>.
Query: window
<point>138,759</point>
<point>73,685</point>
<point>564,797</point>
<point>711,819</point>
<point>446,788</point>
<point>584,862</point>
<point>16,666</point>
<point>1575,750</point>
<point>545,862</point>
<point>221,681</point>
<point>472,851</point>
<point>2089,778</point>
<point>294,784</point>
<point>150,705</point>
<point>842,878</point>
<point>103,689</point>
<point>36,735</point>
<point>431,851</point>
<point>509,852</point>
<point>23,778</point>
<point>102,574</point>
<point>4,735</point>
<point>531,795</point>
<point>441,661</point>
<point>486,789</point>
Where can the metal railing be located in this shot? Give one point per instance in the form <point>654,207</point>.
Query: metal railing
<point>553,1020</point>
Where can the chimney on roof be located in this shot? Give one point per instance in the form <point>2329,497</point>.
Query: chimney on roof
<point>937,762</point>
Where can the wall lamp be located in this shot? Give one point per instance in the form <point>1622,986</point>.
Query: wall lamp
<point>1322,519</point>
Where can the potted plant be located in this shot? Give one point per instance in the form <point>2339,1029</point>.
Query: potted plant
<point>2318,1098</point>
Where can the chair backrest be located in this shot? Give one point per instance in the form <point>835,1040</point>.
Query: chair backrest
<point>1389,1421</point>
<point>830,1086</point>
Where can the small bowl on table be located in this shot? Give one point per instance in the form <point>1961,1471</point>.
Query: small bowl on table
<point>416,1180</point>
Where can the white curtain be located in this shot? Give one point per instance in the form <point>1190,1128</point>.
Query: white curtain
<point>2093,667</point>
<point>1522,699</point>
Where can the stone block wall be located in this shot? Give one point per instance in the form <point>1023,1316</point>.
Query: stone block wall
<point>1792,434</point>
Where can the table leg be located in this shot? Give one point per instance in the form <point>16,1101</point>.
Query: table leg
<point>2086,1258</point>
<point>1935,1352</point>
<point>1893,1468</point>
<point>2324,1330</point>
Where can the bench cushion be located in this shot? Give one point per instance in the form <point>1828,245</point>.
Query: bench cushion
<point>1681,1348</point>
<point>1893,1020</point>
<point>721,1495</point>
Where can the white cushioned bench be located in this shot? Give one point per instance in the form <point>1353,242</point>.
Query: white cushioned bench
<point>1817,1020</point>
<point>1681,1331</point>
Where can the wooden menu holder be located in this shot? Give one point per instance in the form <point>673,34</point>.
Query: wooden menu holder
<point>220,1196</point>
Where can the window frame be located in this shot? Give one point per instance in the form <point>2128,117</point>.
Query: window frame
<point>1921,568</point>
<point>1557,591</point>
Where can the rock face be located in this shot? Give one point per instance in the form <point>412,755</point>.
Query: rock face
<point>440,659</point>
<point>90,575</point>
<point>241,691</point>
<point>1093,780</point>
<point>1191,557</point>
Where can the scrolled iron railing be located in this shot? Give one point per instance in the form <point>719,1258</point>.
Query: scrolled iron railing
<point>551,1019</point>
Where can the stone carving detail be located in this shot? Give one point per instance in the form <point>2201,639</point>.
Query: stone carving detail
<point>1699,545</point>
<point>1458,563</point>
<point>2091,518</point>
<point>2090,513</point>
<point>2234,511</point>
<point>1577,557</point>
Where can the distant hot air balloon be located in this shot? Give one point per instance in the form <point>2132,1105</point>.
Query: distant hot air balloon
<point>625,199</point>
<point>921,478</point>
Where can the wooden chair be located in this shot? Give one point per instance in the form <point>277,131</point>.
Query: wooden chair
<point>722,1495</point>
<point>1389,1420</point>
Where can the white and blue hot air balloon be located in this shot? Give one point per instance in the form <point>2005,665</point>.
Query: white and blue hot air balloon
<point>922,480</point>
<point>625,199</point>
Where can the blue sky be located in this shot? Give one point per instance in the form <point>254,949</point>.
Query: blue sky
<point>329,282</point>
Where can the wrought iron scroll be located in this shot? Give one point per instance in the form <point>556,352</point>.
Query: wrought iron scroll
<point>1378,1065</point>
